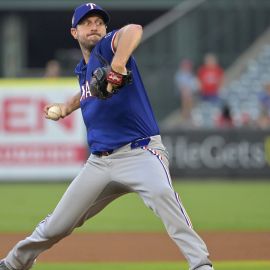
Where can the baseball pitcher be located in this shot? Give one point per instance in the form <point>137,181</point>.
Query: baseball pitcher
<point>127,154</point>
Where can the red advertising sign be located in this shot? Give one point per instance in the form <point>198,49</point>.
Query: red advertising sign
<point>31,146</point>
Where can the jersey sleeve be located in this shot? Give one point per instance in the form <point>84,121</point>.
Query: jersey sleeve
<point>107,42</point>
<point>106,48</point>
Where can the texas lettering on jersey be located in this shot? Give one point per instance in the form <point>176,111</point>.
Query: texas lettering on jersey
<point>85,91</point>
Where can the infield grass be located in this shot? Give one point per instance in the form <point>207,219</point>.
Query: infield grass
<point>152,266</point>
<point>212,205</point>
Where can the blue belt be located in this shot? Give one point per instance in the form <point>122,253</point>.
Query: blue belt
<point>102,153</point>
<point>135,144</point>
<point>140,143</point>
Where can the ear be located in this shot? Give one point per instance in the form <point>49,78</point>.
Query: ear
<point>73,32</point>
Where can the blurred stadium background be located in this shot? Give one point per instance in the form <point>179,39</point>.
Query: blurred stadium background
<point>35,43</point>
<point>38,57</point>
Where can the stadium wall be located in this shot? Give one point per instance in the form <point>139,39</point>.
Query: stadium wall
<point>233,153</point>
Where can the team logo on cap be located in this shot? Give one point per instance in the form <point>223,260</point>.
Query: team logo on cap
<point>91,5</point>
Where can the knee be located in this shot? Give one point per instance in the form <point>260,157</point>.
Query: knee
<point>50,230</point>
<point>54,233</point>
<point>159,198</point>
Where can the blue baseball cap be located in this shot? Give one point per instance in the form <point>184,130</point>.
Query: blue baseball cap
<point>89,8</point>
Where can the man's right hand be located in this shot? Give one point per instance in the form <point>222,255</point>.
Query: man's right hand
<point>63,107</point>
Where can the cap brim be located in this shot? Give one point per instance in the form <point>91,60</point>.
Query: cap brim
<point>104,15</point>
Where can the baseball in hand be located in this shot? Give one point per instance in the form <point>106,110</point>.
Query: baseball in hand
<point>54,112</point>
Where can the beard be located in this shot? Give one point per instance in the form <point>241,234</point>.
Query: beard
<point>88,46</point>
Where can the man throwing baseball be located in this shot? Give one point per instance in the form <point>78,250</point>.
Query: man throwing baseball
<point>127,154</point>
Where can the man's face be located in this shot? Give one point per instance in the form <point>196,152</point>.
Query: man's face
<point>89,31</point>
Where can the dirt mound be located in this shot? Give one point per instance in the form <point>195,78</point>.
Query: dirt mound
<point>124,247</point>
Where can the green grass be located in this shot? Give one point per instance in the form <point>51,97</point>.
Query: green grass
<point>151,266</point>
<point>212,205</point>
<point>227,205</point>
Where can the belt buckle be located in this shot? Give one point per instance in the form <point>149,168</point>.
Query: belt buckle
<point>140,143</point>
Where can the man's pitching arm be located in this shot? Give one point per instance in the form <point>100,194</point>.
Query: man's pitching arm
<point>67,108</point>
<point>125,42</point>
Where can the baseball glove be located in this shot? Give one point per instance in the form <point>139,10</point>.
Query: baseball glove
<point>104,75</point>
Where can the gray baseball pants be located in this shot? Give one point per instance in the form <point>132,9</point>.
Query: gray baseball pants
<point>143,170</point>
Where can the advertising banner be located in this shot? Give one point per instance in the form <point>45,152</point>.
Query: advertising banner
<point>32,147</point>
<point>219,153</point>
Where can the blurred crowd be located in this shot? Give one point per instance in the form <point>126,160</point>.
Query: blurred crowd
<point>203,102</point>
<point>52,69</point>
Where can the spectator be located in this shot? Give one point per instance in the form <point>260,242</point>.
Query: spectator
<point>187,85</point>
<point>263,121</point>
<point>264,101</point>
<point>246,120</point>
<point>264,98</point>
<point>210,76</point>
<point>52,69</point>
<point>225,119</point>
